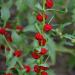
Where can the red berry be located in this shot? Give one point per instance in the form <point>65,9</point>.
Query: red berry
<point>35,55</point>
<point>17,53</point>
<point>43,51</point>
<point>42,42</point>
<point>27,68</point>
<point>49,3</point>
<point>9,39</point>
<point>38,36</point>
<point>8,25</point>
<point>43,68</point>
<point>7,48</point>
<point>20,28</point>
<point>8,74</point>
<point>39,17</point>
<point>2,31</point>
<point>36,69</point>
<point>44,73</point>
<point>47,27</point>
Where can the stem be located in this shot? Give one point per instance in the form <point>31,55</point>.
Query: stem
<point>56,10</point>
<point>43,14</point>
<point>51,19</point>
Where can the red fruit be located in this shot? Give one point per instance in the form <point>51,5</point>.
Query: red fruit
<point>2,31</point>
<point>43,51</point>
<point>39,17</point>
<point>20,28</point>
<point>42,42</point>
<point>49,3</point>
<point>8,25</point>
<point>8,74</point>
<point>35,55</point>
<point>17,53</point>
<point>44,73</point>
<point>9,39</point>
<point>47,27</point>
<point>38,36</point>
<point>27,68</point>
<point>7,48</point>
<point>43,68</point>
<point>36,69</point>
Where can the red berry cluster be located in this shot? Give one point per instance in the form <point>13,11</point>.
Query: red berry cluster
<point>40,69</point>
<point>37,54</point>
<point>42,41</point>
<point>6,31</point>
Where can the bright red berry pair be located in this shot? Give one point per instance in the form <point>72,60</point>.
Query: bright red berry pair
<point>17,53</point>
<point>49,3</point>
<point>41,69</point>
<point>37,54</point>
<point>40,16</point>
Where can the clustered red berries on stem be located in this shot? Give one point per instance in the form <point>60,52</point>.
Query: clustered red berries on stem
<point>40,37</point>
<point>42,41</point>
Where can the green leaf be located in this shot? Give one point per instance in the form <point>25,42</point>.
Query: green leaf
<point>8,54</point>
<point>38,6</point>
<point>51,72</point>
<point>51,49</point>
<point>5,13</point>
<point>30,28</point>
<point>17,39</point>
<point>12,63</point>
<point>71,61</point>
<point>21,5</point>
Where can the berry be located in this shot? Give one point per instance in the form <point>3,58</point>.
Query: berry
<point>8,25</point>
<point>8,74</point>
<point>43,68</point>
<point>9,39</point>
<point>27,68</point>
<point>35,55</point>
<point>17,53</point>
<point>42,42</point>
<point>36,69</point>
<point>43,51</point>
<point>49,3</point>
<point>38,36</point>
<point>20,28</point>
<point>39,17</point>
<point>47,27</point>
<point>2,31</point>
<point>44,73</point>
<point>7,48</point>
